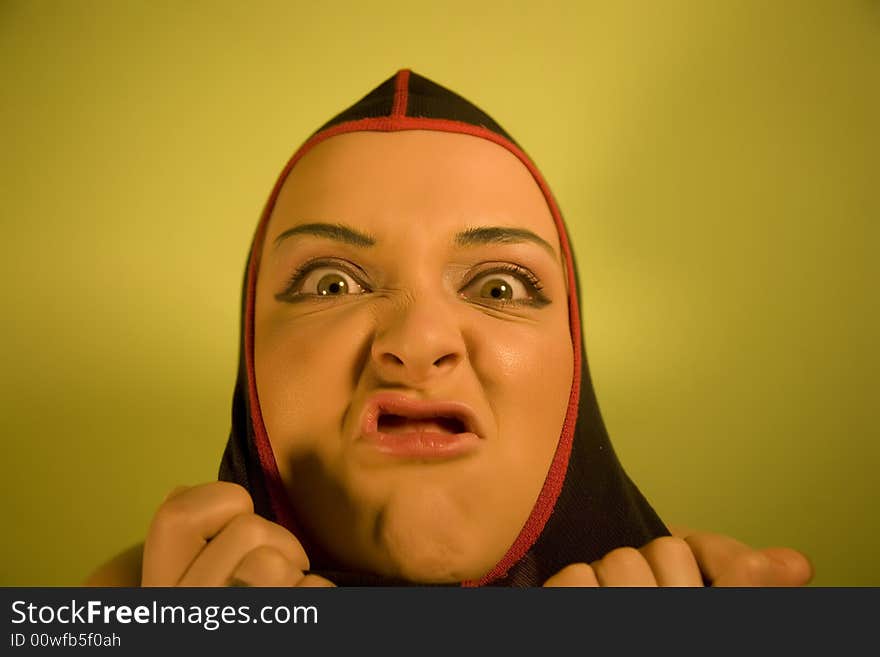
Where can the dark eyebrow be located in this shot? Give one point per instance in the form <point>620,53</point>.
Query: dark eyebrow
<point>338,232</point>
<point>500,235</point>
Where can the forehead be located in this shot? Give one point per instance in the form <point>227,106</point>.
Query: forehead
<point>440,182</point>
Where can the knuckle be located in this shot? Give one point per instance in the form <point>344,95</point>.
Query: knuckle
<point>576,574</point>
<point>174,492</point>
<point>262,566</point>
<point>251,526</point>
<point>172,516</point>
<point>230,496</point>
<point>234,491</point>
<point>315,581</point>
<point>670,547</point>
<point>255,530</point>
<point>751,568</point>
<point>624,558</point>
<point>176,510</point>
<point>269,560</point>
<point>577,571</point>
<point>754,561</point>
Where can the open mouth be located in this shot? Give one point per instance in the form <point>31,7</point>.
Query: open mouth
<point>391,424</point>
<point>400,426</point>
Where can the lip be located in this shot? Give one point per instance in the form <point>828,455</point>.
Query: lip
<point>419,444</point>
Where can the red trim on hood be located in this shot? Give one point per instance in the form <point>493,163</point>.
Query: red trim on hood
<point>401,93</point>
<point>546,501</point>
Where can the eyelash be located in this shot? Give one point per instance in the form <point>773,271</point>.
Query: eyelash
<point>532,283</point>
<point>300,273</point>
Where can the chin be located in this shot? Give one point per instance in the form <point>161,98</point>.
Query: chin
<point>431,539</point>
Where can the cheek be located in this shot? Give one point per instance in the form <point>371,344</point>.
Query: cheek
<point>517,360</point>
<point>526,371</point>
<point>306,370</point>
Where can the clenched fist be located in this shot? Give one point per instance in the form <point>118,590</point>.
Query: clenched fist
<point>209,535</point>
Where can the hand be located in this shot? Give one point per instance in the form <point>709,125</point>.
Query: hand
<point>665,561</point>
<point>688,560</point>
<point>725,561</point>
<point>209,535</point>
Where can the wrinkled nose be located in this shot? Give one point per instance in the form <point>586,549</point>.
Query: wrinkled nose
<point>416,341</point>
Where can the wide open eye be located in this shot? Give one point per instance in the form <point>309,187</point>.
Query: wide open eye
<point>329,282</point>
<point>512,285</point>
<point>322,281</point>
<point>499,287</point>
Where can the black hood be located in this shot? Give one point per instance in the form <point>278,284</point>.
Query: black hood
<point>588,505</point>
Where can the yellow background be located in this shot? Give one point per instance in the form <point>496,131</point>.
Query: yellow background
<point>716,161</point>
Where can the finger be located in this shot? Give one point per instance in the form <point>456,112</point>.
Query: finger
<point>672,562</point>
<point>314,581</point>
<point>624,567</point>
<point>680,531</point>
<point>245,532</point>
<point>768,567</point>
<point>184,523</point>
<point>265,566</point>
<point>752,568</point>
<point>793,568</point>
<point>177,490</point>
<point>576,574</point>
<point>715,553</point>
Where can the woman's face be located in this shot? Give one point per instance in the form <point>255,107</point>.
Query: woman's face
<point>412,349</point>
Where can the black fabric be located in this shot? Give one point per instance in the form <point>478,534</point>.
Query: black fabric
<point>240,463</point>
<point>375,104</point>
<point>429,100</point>
<point>599,508</point>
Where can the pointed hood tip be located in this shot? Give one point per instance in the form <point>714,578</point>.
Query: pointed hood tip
<point>402,74</point>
